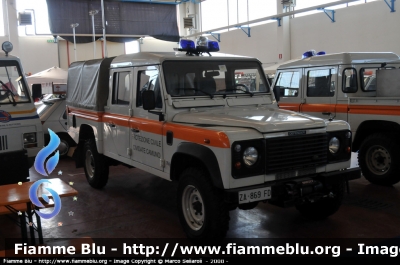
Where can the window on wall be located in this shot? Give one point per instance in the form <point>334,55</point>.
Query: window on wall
<point>261,8</point>
<point>2,15</point>
<point>221,13</point>
<point>214,14</point>
<point>40,17</point>
<point>132,47</point>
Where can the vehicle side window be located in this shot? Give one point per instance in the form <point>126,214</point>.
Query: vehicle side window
<point>149,80</point>
<point>121,88</point>
<point>319,83</point>
<point>288,84</point>
<point>349,81</point>
<point>368,79</point>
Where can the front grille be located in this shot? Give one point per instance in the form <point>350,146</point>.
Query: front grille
<point>296,152</point>
<point>3,142</point>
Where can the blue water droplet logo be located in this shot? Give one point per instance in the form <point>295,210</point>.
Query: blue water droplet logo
<point>36,201</point>
<point>45,152</point>
<point>51,164</point>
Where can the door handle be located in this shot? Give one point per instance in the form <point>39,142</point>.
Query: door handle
<point>326,113</point>
<point>111,125</point>
<point>135,130</point>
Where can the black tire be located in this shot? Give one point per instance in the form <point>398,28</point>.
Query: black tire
<point>96,168</point>
<point>324,207</point>
<point>65,144</point>
<point>202,211</point>
<point>379,157</point>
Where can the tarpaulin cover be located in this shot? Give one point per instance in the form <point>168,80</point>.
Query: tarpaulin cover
<point>123,18</point>
<point>87,85</point>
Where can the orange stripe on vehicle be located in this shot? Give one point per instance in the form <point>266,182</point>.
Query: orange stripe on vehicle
<point>121,120</point>
<point>23,111</point>
<point>182,132</point>
<point>86,114</point>
<point>342,108</point>
<point>318,107</point>
<point>199,135</point>
<point>375,110</point>
<point>147,125</point>
<point>290,106</point>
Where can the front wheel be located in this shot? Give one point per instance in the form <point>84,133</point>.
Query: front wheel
<point>64,146</point>
<point>378,159</point>
<point>96,168</point>
<point>201,207</point>
<point>326,206</point>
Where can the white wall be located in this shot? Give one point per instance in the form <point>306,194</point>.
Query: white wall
<point>369,27</point>
<point>37,54</point>
<point>364,27</point>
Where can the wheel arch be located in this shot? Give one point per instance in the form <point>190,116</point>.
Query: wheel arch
<point>367,128</point>
<point>190,154</point>
<point>86,132</point>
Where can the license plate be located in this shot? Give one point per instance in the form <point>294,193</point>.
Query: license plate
<point>254,195</point>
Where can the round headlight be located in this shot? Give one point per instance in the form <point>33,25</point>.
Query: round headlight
<point>238,148</point>
<point>250,156</point>
<point>334,145</point>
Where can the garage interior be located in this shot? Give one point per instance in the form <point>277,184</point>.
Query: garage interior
<point>137,204</point>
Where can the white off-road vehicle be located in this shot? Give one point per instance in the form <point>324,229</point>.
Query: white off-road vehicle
<point>361,88</point>
<point>192,118</point>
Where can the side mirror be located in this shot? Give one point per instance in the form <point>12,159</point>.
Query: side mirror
<point>277,93</point>
<point>149,100</point>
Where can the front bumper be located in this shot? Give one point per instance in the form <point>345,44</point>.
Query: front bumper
<point>288,192</point>
<point>14,167</point>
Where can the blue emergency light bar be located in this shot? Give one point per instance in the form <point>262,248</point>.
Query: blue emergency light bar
<point>213,46</point>
<point>187,45</point>
<point>203,45</point>
<point>312,53</point>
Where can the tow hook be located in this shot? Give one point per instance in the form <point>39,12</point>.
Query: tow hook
<point>303,187</point>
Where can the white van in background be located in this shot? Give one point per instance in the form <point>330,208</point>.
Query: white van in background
<point>52,113</point>
<point>21,133</point>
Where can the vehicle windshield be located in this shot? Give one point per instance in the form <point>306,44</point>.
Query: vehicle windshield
<point>210,78</point>
<point>12,86</point>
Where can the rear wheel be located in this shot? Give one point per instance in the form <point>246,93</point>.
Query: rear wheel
<point>326,206</point>
<point>378,159</point>
<point>96,168</point>
<point>201,207</point>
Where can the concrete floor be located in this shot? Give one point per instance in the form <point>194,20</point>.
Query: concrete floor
<point>135,204</point>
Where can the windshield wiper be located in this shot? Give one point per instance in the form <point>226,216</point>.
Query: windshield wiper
<point>195,89</point>
<point>236,89</point>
